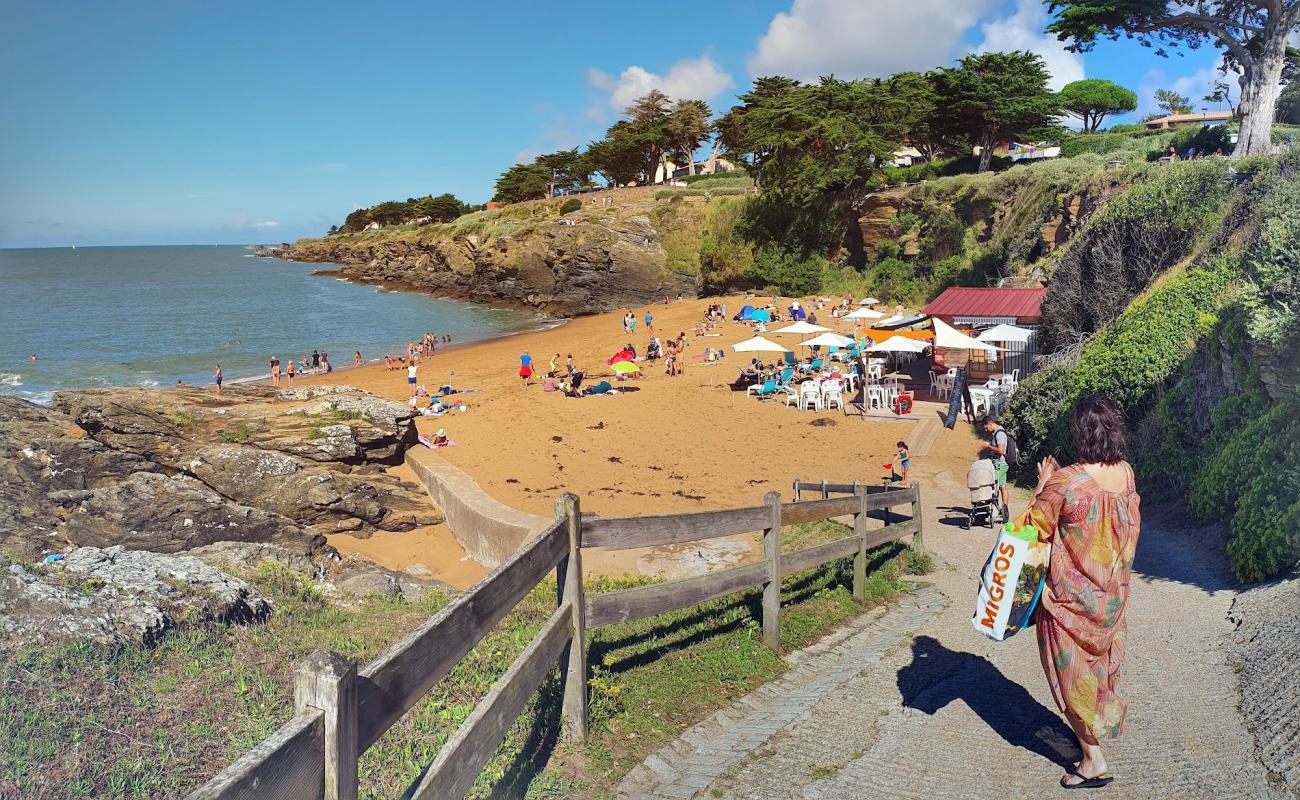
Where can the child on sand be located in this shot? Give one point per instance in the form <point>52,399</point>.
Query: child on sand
<point>903,461</point>
<point>410,377</point>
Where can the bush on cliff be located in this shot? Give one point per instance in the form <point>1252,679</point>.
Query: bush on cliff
<point>571,205</point>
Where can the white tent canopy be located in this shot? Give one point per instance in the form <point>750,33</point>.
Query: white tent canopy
<point>1005,333</point>
<point>759,345</point>
<point>898,344</point>
<point>802,327</point>
<point>950,338</point>
<point>868,301</point>
<point>828,340</point>
<point>864,313</point>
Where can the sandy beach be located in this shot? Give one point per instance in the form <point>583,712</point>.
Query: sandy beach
<point>667,445</point>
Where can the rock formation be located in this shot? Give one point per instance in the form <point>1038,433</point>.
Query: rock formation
<point>169,470</point>
<point>551,267</point>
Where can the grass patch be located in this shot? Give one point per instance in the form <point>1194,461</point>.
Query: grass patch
<point>239,433</point>
<point>80,721</point>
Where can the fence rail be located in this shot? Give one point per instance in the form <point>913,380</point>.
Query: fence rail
<point>340,711</point>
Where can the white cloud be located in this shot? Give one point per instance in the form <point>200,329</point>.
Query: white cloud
<point>688,79</point>
<point>270,223</point>
<point>1194,86</point>
<point>1023,30</point>
<point>856,39</point>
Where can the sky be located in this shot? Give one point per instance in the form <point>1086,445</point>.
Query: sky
<point>189,122</point>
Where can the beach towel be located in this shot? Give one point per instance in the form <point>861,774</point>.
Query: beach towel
<point>1012,581</point>
<point>427,442</point>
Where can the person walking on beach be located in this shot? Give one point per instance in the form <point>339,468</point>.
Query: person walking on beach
<point>216,376</point>
<point>289,371</point>
<point>315,361</point>
<point>275,371</point>
<point>525,367</point>
<point>1089,511</point>
<point>325,363</point>
<point>411,370</point>
<point>356,359</point>
<point>649,322</point>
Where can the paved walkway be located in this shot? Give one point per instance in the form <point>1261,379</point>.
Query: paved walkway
<point>912,703</point>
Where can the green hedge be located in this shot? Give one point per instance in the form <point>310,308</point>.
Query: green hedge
<point>570,205</point>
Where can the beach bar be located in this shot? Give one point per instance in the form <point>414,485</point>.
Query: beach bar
<point>977,309</point>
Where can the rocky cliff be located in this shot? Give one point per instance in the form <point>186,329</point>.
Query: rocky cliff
<point>550,266</point>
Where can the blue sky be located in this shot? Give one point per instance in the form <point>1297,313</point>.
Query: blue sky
<point>234,122</point>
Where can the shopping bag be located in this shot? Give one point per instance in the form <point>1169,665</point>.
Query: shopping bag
<point>1012,581</point>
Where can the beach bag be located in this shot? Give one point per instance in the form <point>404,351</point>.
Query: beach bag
<point>1012,581</point>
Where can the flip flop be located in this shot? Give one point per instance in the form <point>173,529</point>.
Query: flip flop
<point>1086,782</point>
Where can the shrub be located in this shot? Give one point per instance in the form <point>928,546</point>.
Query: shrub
<point>570,205</point>
<point>1206,140</point>
<point>792,273</point>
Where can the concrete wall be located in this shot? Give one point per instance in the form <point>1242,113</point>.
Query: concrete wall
<point>488,530</point>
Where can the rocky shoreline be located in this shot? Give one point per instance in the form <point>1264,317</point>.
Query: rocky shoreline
<point>549,267</point>
<point>152,482</point>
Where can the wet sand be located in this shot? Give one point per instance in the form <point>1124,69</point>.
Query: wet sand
<point>668,445</point>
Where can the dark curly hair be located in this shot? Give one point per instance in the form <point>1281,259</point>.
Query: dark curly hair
<point>1098,431</point>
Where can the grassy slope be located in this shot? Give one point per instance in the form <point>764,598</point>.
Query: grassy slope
<point>78,722</point>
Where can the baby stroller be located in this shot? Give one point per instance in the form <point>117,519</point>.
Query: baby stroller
<point>982,481</point>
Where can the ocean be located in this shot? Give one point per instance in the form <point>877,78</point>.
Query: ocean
<point>150,316</point>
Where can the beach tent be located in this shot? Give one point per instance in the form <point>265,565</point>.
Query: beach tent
<point>746,312</point>
<point>798,313</point>
<point>760,315</point>
<point>828,340</point>
<point>864,313</point>
<point>758,345</point>
<point>950,338</point>
<point>1005,333</point>
<point>802,327</point>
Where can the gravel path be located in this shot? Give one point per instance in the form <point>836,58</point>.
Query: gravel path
<point>947,713</point>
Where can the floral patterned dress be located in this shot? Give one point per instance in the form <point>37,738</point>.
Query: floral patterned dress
<point>1081,625</point>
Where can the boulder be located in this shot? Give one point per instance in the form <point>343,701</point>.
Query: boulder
<point>115,596</point>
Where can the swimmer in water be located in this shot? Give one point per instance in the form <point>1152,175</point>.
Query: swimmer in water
<point>32,358</point>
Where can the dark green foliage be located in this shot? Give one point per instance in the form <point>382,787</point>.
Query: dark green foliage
<point>1126,244</point>
<point>522,182</point>
<point>1172,102</point>
<point>1273,264</point>
<point>443,208</point>
<point>791,272</point>
<point>995,97</point>
<point>1207,140</point>
<point>570,205</point>
<point>1092,100</point>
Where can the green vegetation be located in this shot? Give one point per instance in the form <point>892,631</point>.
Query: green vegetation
<point>415,210</point>
<point>571,205</point>
<point>239,433</point>
<point>1092,100</point>
<point>154,722</point>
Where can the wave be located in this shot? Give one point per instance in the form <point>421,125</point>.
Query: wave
<point>10,379</point>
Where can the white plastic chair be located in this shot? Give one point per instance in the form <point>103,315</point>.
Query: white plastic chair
<point>833,398</point>
<point>876,397</point>
<point>810,394</point>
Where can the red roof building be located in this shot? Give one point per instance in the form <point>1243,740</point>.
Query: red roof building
<point>968,306</point>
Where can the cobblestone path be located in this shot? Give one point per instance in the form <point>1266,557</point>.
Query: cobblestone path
<point>911,702</point>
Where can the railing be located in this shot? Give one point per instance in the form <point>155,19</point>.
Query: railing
<point>340,711</point>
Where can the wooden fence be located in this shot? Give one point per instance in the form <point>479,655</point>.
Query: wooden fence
<point>341,711</point>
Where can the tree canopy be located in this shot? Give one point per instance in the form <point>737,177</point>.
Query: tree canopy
<point>522,182</point>
<point>443,208</point>
<point>1252,33</point>
<point>1093,99</point>
<point>1171,102</point>
<point>996,97</point>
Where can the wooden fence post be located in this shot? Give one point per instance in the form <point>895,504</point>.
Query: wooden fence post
<point>825,492</point>
<point>327,682</point>
<point>860,531</point>
<point>772,588</point>
<point>796,490</point>
<point>918,542</point>
<point>568,580</point>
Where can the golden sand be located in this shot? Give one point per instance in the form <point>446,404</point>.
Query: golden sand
<point>670,445</point>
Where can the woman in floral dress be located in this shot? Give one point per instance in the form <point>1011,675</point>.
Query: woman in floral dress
<point>1089,512</point>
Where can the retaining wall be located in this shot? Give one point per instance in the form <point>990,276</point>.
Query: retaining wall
<point>489,531</point>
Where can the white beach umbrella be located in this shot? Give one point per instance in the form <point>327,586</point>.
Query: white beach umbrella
<point>828,340</point>
<point>898,344</point>
<point>868,301</point>
<point>864,313</point>
<point>1005,333</point>
<point>949,337</point>
<point>758,345</point>
<point>802,327</point>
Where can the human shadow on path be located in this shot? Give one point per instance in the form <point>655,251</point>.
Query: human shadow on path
<point>937,676</point>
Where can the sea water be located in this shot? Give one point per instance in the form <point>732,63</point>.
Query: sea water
<point>150,316</point>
